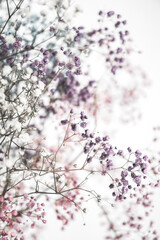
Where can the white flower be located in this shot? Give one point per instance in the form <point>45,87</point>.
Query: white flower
<point>14,77</point>
<point>45,100</point>
<point>20,109</point>
<point>15,124</point>
<point>18,126</point>
<point>41,85</point>
<point>43,13</point>
<point>42,2</point>
<point>65,4</point>
<point>70,36</point>
<point>10,39</point>
<point>25,12</point>
<point>3,131</point>
<point>2,96</point>
<point>68,16</point>
<point>19,66</point>
<point>10,107</point>
<point>61,57</point>
<point>34,79</point>
<point>79,9</point>
<point>6,70</point>
<point>1,155</point>
<point>29,110</point>
<point>9,163</point>
<point>8,124</point>
<point>37,177</point>
<point>61,26</point>
<point>53,3</point>
<point>4,82</point>
<point>29,70</point>
<point>37,92</point>
<point>25,137</point>
<point>45,152</point>
<point>21,152</point>
<point>23,99</point>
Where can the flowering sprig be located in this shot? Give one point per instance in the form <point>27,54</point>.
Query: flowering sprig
<point>45,70</point>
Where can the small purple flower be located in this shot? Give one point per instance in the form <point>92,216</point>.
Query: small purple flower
<point>91,135</point>
<point>119,50</point>
<point>118,16</point>
<point>109,164</point>
<point>106,138</point>
<point>83,116</point>
<point>124,190</point>
<point>78,72</point>
<point>97,139</point>
<point>110,151</point>
<point>68,73</point>
<point>111,186</point>
<point>101,42</point>
<point>130,168</point>
<point>113,70</point>
<point>73,127</point>
<point>85,135</point>
<point>100,13</point>
<point>77,61</point>
<point>124,174</point>
<point>103,156</point>
<point>145,158</point>
<point>119,184</point>
<point>52,91</point>
<point>64,122</point>
<point>83,124</point>
<point>117,24</point>
<point>129,149</point>
<point>133,175</point>
<point>120,197</point>
<point>143,167</point>
<point>126,33</point>
<point>137,180</point>
<point>103,173</point>
<point>52,29</point>
<point>120,152</point>
<point>124,182</point>
<point>89,159</point>
<point>86,149</point>
<point>110,13</point>
<point>91,144</point>
<point>138,153</point>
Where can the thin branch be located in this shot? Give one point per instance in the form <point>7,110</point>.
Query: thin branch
<point>11,15</point>
<point>8,8</point>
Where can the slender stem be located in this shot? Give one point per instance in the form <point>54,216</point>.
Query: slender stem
<point>8,8</point>
<point>10,15</point>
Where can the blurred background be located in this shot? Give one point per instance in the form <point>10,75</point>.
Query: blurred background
<point>143,17</point>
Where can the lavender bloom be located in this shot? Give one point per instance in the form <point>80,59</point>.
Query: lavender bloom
<point>110,13</point>
<point>74,127</point>
<point>64,122</point>
<point>83,124</point>
<point>124,174</point>
<point>137,180</point>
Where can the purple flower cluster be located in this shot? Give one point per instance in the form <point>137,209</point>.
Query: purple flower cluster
<point>99,148</point>
<point>131,174</point>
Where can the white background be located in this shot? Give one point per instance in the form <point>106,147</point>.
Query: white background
<point>143,17</point>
